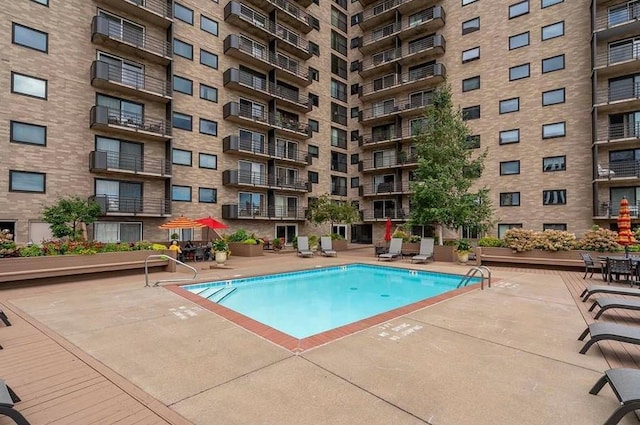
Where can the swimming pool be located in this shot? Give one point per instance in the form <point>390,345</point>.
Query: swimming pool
<point>306,303</point>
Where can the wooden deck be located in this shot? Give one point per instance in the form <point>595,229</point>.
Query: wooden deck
<point>60,384</point>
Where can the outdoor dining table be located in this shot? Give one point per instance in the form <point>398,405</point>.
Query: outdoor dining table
<point>635,260</point>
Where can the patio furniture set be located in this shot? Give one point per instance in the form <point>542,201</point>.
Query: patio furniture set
<point>326,247</point>
<point>395,251</point>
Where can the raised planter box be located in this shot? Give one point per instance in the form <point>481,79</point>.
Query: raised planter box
<point>27,268</point>
<point>570,259</point>
<point>339,245</point>
<point>245,250</point>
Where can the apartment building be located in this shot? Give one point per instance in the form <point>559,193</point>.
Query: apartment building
<point>246,110</point>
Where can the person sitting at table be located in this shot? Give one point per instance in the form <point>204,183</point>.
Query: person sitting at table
<point>175,247</point>
<point>207,250</point>
<point>189,244</point>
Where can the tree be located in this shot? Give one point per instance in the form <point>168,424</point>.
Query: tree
<point>447,170</point>
<point>66,215</point>
<point>327,210</point>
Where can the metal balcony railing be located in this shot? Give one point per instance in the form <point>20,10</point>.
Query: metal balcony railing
<point>383,214</point>
<point>395,80</point>
<point>618,169</point>
<point>384,188</point>
<point>380,8</point>
<point>404,132</point>
<point>279,121</point>
<point>245,178</point>
<point>137,80</point>
<point>406,105</point>
<point>242,144</point>
<point>405,51</point>
<point>132,205</point>
<point>370,37</point>
<point>617,54</point>
<point>605,209</point>
<point>401,158</point>
<point>620,131</point>
<point>115,30</point>
<point>105,160</point>
<point>618,16</point>
<point>615,94</point>
<point>102,115</point>
<point>261,84</point>
<point>292,10</point>
<point>236,211</point>
<point>381,33</point>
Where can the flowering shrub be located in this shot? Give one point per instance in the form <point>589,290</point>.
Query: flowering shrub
<point>489,241</point>
<point>7,245</point>
<point>555,240</point>
<point>599,239</point>
<point>61,247</point>
<point>520,240</point>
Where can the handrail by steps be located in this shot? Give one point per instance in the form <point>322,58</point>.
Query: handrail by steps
<point>472,272</point>
<point>166,257</point>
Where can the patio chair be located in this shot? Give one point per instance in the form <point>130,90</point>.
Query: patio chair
<point>426,251</point>
<point>326,247</point>
<point>608,303</point>
<point>592,266</point>
<point>395,250</point>
<point>606,289</point>
<point>198,253</point>
<point>7,400</point>
<point>4,318</point>
<point>618,267</point>
<point>602,331</point>
<point>625,383</point>
<point>303,247</point>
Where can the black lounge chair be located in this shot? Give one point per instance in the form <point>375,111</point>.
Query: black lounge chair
<point>4,318</point>
<point>607,289</point>
<point>602,331</point>
<point>607,303</point>
<point>7,400</point>
<point>625,384</point>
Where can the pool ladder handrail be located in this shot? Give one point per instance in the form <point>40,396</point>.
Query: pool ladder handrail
<point>472,272</point>
<point>166,257</point>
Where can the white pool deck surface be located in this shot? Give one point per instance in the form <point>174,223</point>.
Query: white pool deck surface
<point>144,355</point>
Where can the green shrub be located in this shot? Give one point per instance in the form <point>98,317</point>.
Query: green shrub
<point>490,241</point>
<point>250,241</point>
<point>337,237</point>
<point>238,236</point>
<point>463,247</point>
<point>31,251</point>
<point>599,239</point>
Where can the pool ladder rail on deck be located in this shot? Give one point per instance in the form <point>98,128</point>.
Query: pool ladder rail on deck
<point>472,272</point>
<point>166,257</point>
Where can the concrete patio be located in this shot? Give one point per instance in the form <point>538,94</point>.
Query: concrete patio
<point>505,355</point>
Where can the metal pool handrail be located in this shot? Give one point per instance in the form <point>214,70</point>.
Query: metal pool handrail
<point>472,272</point>
<point>166,257</point>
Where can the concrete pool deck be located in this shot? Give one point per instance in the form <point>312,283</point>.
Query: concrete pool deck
<point>505,355</point>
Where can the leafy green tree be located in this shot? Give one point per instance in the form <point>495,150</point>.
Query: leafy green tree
<point>447,170</point>
<point>327,210</point>
<point>67,214</point>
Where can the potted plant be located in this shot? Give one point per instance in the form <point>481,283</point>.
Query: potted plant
<point>277,244</point>
<point>220,248</point>
<point>463,249</point>
<point>175,236</point>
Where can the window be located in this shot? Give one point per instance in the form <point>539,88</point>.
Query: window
<point>314,151</point>
<point>470,26</point>
<point>313,176</point>
<point>355,135</point>
<point>183,49</point>
<point>473,141</point>
<point>510,199</point>
<point>553,31</point>
<point>471,113</point>
<point>553,97</point>
<point>207,195</point>
<point>355,112</point>
<point>519,40</point>
<point>28,86</point>
<point>339,162</point>
<point>43,2</point>
<point>502,228</point>
<point>470,84</point>
<point>182,85</point>
<point>30,134</point>
<point>509,167</point>
<point>315,74</point>
<point>509,136</point>
<point>466,2</point>
<point>181,193</point>
<point>208,127</point>
<point>208,25</point>
<point>314,125</point>
<point>510,105</point>
<point>338,43</point>
<point>553,64</point>
<point>355,158</point>
<point>181,157</point>
<point>519,72</point>
<point>182,121</point>
<point>558,129</point>
<point>208,59</point>
<point>338,19</point>
<point>338,113</point>
<point>355,182</point>
<point>117,232</point>
<point>25,181</point>
<point>207,160</point>
<point>554,163</point>
<point>554,197</point>
<point>341,3</point>
<point>554,226</point>
<point>208,93</point>
<point>338,66</point>
<point>471,55</point>
<point>314,99</point>
<point>29,37</point>
<point>338,138</point>
<point>338,186</point>
<point>547,3</point>
<point>338,90</point>
<point>518,9</point>
<point>183,13</point>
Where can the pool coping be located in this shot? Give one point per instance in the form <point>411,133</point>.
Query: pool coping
<point>300,345</point>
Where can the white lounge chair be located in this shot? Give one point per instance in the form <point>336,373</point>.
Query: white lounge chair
<point>303,247</point>
<point>326,247</point>
<point>426,251</point>
<point>395,250</point>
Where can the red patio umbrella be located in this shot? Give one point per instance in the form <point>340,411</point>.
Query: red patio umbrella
<point>211,223</point>
<point>387,230</point>
<point>625,235</point>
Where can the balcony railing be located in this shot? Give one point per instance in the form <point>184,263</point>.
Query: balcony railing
<point>616,94</point>
<point>234,211</point>
<point>146,9</point>
<point>380,137</point>
<point>102,115</point>
<point>381,8</point>
<point>240,144</point>
<point>401,158</point>
<point>620,131</point>
<point>114,30</point>
<point>106,160</point>
<point>125,205</point>
<point>383,214</point>
<point>406,51</point>
<point>385,188</point>
<point>244,178</point>
<point>618,54</point>
<point>375,36</point>
<point>619,16</point>
<point>278,121</point>
<point>136,80</point>
<point>395,80</point>
<point>605,209</point>
<point>371,37</point>
<point>294,12</point>
<point>619,169</point>
<point>391,110</point>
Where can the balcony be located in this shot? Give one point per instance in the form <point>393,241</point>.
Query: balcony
<point>385,11</point>
<point>304,3</point>
<point>618,98</point>
<point>119,163</point>
<point>388,112</point>
<point>244,17</point>
<point>619,133</point>
<point>234,111</point>
<point>242,212</point>
<point>615,24</point>
<point>288,12</point>
<point>605,210</point>
<point>386,139</point>
<point>263,89</point>
<point>247,147</point>
<point>111,77</point>
<point>409,54</point>
<point>124,39</point>
<point>244,50</point>
<point>621,171</point>
<point>400,159</point>
<point>247,179</point>
<point>123,122</point>
<point>400,214</point>
<point>123,206</point>
<point>620,60</point>
<point>156,12</point>
<point>385,189</point>
<point>388,86</point>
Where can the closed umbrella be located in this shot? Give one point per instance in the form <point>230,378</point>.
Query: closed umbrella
<point>625,235</point>
<point>387,230</point>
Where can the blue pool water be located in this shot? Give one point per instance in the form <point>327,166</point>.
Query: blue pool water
<point>309,302</point>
